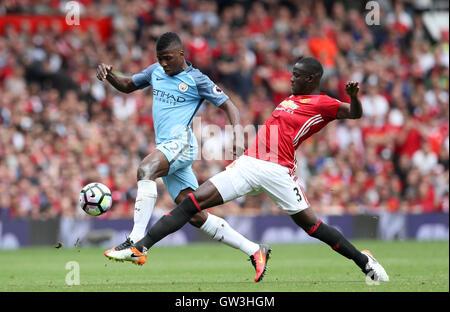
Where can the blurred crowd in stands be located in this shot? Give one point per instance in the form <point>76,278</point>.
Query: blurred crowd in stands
<point>61,128</point>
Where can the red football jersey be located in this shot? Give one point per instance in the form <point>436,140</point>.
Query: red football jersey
<point>293,121</point>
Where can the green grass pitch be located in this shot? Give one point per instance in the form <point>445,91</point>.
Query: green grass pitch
<point>412,267</point>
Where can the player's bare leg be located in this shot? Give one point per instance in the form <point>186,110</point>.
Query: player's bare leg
<point>308,221</point>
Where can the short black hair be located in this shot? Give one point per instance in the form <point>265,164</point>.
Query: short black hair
<point>312,65</point>
<point>167,40</point>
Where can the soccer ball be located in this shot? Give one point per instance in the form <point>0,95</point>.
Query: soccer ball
<point>95,199</point>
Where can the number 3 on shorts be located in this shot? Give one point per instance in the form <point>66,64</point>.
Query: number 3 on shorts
<point>297,193</point>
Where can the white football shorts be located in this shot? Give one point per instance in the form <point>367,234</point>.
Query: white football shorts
<point>250,176</point>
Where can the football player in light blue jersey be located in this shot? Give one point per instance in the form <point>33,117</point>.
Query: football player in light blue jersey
<point>179,90</point>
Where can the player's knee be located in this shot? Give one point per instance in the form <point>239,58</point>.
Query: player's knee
<point>207,195</point>
<point>148,170</point>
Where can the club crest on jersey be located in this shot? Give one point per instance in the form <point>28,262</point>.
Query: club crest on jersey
<point>183,87</point>
<point>217,90</point>
<point>305,100</point>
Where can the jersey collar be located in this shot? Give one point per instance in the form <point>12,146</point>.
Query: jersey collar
<point>189,68</point>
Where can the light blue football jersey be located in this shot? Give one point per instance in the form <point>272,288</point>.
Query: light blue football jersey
<point>177,99</point>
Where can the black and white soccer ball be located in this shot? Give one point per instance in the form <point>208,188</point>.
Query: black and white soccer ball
<point>95,199</point>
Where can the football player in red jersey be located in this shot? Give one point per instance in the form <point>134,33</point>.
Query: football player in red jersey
<point>268,166</point>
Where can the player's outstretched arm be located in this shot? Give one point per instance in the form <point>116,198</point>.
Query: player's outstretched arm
<point>354,109</point>
<point>235,120</point>
<point>121,83</point>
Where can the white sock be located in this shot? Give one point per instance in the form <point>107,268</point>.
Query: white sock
<point>143,208</point>
<point>221,231</point>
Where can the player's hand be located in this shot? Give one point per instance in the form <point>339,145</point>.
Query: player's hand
<point>103,70</point>
<point>352,88</point>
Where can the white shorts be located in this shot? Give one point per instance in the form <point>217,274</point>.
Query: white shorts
<point>250,176</point>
